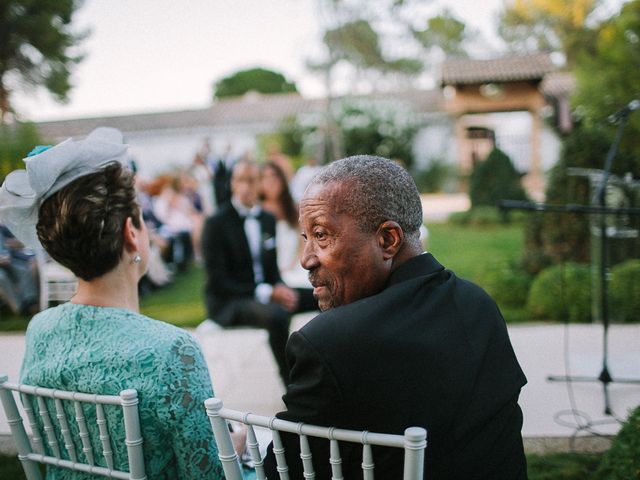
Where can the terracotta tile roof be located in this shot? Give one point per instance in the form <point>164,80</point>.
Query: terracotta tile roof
<point>60,129</point>
<point>249,109</point>
<point>505,69</point>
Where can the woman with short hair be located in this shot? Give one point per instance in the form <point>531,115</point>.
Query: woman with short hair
<point>80,199</point>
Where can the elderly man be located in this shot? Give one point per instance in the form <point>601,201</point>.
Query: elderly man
<point>401,341</point>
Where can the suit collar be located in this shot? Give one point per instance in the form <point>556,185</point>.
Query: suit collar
<point>418,266</point>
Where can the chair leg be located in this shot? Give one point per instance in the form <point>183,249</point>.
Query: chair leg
<point>31,468</point>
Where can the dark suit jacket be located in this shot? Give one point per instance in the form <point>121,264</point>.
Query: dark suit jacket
<point>430,350</point>
<point>227,257</point>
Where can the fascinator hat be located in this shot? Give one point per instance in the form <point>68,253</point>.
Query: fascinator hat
<point>49,169</point>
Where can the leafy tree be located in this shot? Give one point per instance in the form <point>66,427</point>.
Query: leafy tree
<point>548,25</point>
<point>368,34</point>
<point>610,78</point>
<point>445,32</point>
<point>37,47</point>
<point>359,44</point>
<point>256,79</point>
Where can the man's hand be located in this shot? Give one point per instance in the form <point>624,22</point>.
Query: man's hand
<point>285,296</point>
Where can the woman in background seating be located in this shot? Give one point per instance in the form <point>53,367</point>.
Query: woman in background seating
<point>276,199</point>
<point>84,203</point>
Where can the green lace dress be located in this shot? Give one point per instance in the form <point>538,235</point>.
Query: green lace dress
<point>106,350</point>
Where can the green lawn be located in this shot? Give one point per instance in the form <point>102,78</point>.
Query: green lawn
<point>180,303</point>
<point>469,251</point>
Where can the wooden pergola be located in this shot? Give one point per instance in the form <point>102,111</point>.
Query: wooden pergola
<point>508,84</point>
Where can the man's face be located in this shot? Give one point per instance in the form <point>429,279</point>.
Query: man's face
<point>344,263</point>
<point>244,184</point>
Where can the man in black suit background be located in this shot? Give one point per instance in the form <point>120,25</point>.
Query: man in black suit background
<point>400,341</point>
<point>243,285</point>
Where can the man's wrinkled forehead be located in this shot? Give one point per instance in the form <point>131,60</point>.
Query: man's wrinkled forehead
<point>331,193</point>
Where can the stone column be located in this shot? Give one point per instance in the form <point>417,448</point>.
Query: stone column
<point>533,181</point>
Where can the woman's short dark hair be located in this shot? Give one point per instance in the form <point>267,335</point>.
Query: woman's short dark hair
<point>81,225</point>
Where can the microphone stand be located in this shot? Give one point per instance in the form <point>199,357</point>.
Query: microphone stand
<point>601,209</point>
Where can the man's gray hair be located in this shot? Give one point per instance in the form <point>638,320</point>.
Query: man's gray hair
<point>379,190</point>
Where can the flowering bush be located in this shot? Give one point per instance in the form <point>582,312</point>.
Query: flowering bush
<point>384,128</point>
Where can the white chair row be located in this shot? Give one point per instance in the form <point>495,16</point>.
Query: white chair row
<point>43,447</point>
<point>57,283</point>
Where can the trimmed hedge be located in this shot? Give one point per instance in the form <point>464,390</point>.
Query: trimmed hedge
<point>562,466</point>
<point>562,292</point>
<point>622,461</point>
<point>624,291</point>
<point>495,179</point>
<point>507,284</point>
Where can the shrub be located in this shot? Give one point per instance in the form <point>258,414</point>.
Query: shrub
<point>622,461</point>
<point>435,178</point>
<point>562,466</point>
<point>495,179</point>
<point>562,237</point>
<point>16,141</point>
<point>561,292</point>
<point>376,127</point>
<point>507,284</point>
<point>624,291</point>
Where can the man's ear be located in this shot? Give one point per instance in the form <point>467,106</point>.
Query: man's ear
<point>131,236</point>
<point>390,238</point>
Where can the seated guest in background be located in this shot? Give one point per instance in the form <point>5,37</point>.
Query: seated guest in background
<point>18,274</point>
<point>81,200</point>
<point>276,199</point>
<point>243,284</point>
<point>8,295</point>
<point>158,272</point>
<point>400,341</point>
<point>180,221</point>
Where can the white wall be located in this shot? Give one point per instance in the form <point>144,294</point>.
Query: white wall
<point>162,151</point>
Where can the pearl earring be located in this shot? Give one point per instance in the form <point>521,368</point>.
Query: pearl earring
<point>137,259</point>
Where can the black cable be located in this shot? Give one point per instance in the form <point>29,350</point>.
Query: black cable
<point>582,421</point>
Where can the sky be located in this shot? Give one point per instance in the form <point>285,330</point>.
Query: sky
<point>164,55</point>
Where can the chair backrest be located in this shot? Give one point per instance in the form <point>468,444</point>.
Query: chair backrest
<point>413,442</point>
<point>57,283</point>
<point>52,406</point>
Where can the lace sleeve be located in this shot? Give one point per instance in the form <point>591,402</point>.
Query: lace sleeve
<point>187,384</point>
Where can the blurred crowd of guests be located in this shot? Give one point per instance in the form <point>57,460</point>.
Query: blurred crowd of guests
<point>176,205</point>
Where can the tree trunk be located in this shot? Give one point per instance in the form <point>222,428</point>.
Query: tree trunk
<point>4,103</point>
